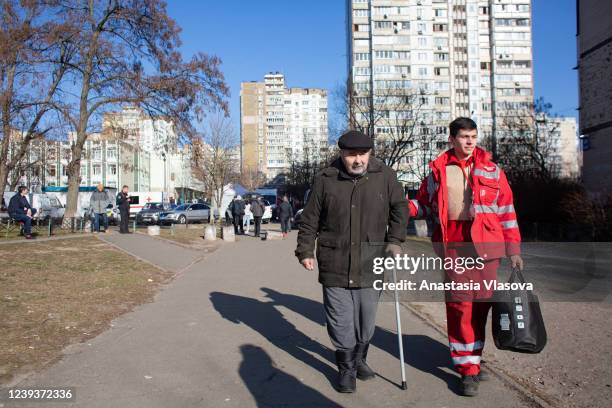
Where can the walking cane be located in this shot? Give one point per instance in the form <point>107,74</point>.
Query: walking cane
<point>399,332</point>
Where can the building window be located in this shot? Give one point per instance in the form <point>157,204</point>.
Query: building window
<point>361,13</point>
<point>440,28</point>
<point>440,12</point>
<point>441,57</point>
<point>111,153</point>
<point>383,54</point>
<point>383,24</point>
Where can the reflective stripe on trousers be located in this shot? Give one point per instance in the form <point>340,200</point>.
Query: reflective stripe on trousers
<point>477,345</point>
<point>466,360</point>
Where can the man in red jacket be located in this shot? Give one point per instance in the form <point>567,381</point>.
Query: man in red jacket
<point>471,203</point>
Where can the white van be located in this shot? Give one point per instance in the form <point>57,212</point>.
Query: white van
<point>138,199</point>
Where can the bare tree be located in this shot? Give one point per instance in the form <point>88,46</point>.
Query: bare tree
<point>528,144</point>
<point>33,53</point>
<point>127,54</point>
<point>401,123</point>
<point>251,178</point>
<point>303,168</point>
<point>213,159</point>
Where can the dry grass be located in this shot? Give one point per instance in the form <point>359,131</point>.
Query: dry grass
<point>56,293</point>
<point>191,236</point>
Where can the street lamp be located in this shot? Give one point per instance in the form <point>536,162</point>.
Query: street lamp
<point>164,158</point>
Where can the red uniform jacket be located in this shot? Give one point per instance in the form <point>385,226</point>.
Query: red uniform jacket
<point>494,230</point>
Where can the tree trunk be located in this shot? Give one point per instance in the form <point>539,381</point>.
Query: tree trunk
<point>74,167</point>
<point>74,179</point>
<point>3,177</point>
<point>6,98</point>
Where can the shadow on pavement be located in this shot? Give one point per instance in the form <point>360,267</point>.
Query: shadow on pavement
<point>421,352</point>
<point>264,318</point>
<point>272,387</point>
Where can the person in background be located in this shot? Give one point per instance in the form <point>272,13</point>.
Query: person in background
<point>123,202</point>
<point>238,214</point>
<point>98,203</point>
<point>248,217</point>
<point>20,210</point>
<point>257,208</point>
<point>285,215</point>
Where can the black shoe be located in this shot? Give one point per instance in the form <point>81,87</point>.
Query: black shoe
<point>347,373</point>
<point>469,385</point>
<point>364,372</point>
<point>483,375</point>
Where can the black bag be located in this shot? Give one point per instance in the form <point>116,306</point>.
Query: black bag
<point>517,320</point>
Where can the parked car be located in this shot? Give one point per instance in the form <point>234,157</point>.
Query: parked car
<point>150,213</point>
<point>186,213</point>
<point>297,218</point>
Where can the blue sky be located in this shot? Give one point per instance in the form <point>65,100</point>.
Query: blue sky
<point>306,41</point>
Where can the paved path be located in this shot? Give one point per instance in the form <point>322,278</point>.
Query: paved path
<point>244,328</point>
<point>166,255</point>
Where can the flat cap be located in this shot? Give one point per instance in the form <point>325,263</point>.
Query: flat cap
<point>353,140</point>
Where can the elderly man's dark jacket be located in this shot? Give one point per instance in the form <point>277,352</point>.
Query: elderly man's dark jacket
<point>351,217</point>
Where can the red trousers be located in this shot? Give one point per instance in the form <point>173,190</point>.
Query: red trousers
<point>466,319</point>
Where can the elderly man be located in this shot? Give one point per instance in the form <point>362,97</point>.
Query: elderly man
<point>356,200</point>
<point>99,202</point>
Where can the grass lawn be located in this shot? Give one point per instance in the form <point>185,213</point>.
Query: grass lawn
<point>56,293</point>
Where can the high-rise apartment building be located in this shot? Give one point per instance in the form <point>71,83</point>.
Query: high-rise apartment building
<point>595,78</point>
<point>280,125</point>
<point>452,57</point>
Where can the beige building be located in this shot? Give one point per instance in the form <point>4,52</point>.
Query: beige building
<point>566,154</point>
<point>280,125</point>
<point>459,57</point>
<point>594,33</point>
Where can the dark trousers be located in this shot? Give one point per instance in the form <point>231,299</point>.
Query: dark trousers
<point>125,219</point>
<point>257,225</point>
<point>27,222</point>
<point>285,224</point>
<point>238,224</point>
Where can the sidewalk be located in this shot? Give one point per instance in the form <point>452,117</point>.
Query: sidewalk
<point>163,254</point>
<point>243,328</point>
